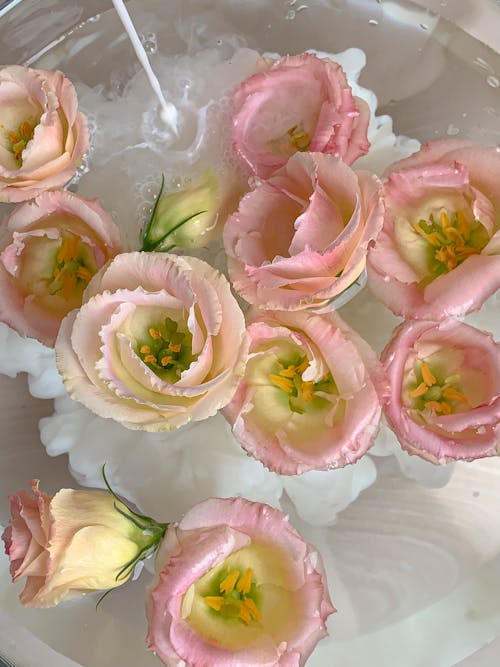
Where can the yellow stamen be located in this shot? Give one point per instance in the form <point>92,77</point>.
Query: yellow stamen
<point>463,225</point>
<point>288,372</point>
<point>445,221</point>
<point>434,239</point>
<point>306,391</point>
<point>69,249</point>
<point>446,408</point>
<point>68,283</point>
<point>145,349</point>
<point>285,384</point>
<point>214,602</point>
<point>228,584</point>
<point>451,394</point>
<point>250,605</point>
<point>83,273</point>
<point>165,361</point>
<point>26,130</point>
<point>154,333</point>
<point>150,359</point>
<point>174,348</point>
<point>419,391</point>
<point>244,614</point>
<point>436,406</point>
<point>440,255</point>
<point>248,611</point>
<point>454,235</point>
<point>245,582</point>
<point>427,376</point>
<point>303,366</point>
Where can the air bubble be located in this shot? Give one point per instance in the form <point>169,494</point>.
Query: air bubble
<point>480,62</point>
<point>94,19</point>
<point>492,81</point>
<point>290,15</point>
<point>424,26</point>
<point>373,22</point>
<point>149,43</point>
<point>452,130</point>
<point>491,111</point>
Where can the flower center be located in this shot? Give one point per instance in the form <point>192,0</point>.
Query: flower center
<point>20,138</point>
<point>452,239</point>
<point>237,597</point>
<point>289,379</point>
<point>439,396</point>
<point>166,350</point>
<point>70,270</point>
<point>299,138</point>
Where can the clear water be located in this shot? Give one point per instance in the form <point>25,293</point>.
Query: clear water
<point>416,569</point>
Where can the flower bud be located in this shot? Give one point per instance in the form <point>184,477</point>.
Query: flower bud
<point>186,218</point>
<point>74,543</point>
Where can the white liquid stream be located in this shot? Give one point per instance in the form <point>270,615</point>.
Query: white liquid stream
<point>168,111</point>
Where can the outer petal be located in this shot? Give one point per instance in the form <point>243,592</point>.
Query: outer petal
<point>459,174</point>
<point>59,140</point>
<point>27,305</point>
<point>291,443</point>
<point>303,92</point>
<point>301,238</point>
<point>209,535</point>
<point>96,353</point>
<point>465,435</point>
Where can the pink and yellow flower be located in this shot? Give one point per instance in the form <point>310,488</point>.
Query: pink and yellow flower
<point>438,253</point>
<point>42,135</point>
<point>307,400</point>
<point>444,398</point>
<point>159,341</point>
<point>73,543</point>
<point>298,103</point>
<point>49,250</point>
<point>236,585</point>
<point>301,238</point>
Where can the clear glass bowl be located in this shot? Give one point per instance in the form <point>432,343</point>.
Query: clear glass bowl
<point>417,570</point>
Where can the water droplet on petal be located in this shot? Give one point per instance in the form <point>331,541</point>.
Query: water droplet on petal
<point>492,81</point>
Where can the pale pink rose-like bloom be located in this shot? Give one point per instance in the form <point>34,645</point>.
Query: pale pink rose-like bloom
<point>444,397</point>
<point>301,238</point>
<point>49,250</point>
<point>70,544</point>
<point>295,104</point>
<point>43,135</point>
<point>307,400</point>
<point>159,341</point>
<point>235,584</point>
<point>438,254</point>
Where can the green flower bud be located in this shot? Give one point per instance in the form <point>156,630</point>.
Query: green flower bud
<point>185,218</point>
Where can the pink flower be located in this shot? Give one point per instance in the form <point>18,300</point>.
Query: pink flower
<point>45,136</point>
<point>301,238</point>
<point>444,398</point>
<point>438,253</point>
<point>73,543</point>
<point>295,104</point>
<point>236,585</point>
<point>307,400</point>
<point>158,341</point>
<point>49,250</point>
